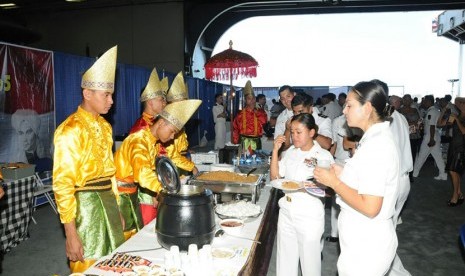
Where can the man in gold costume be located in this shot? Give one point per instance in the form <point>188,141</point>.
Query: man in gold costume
<point>135,159</point>
<point>248,124</point>
<point>176,150</point>
<point>83,172</point>
<point>153,100</point>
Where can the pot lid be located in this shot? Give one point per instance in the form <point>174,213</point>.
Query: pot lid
<point>168,175</point>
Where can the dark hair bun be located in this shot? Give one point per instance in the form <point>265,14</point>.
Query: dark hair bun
<point>388,110</point>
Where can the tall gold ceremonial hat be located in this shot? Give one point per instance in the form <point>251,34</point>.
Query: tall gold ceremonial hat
<point>101,76</point>
<point>178,113</point>
<point>155,87</point>
<point>178,90</point>
<point>248,89</point>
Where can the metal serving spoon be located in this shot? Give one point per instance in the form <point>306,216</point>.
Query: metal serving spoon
<point>251,171</point>
<point>221,232</point>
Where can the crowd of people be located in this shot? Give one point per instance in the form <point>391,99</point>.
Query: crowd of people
<point>376,145</point>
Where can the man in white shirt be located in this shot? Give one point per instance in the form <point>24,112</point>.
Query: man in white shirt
<point>331,109</point>
<point>286,94</point>
<point>431,140</point>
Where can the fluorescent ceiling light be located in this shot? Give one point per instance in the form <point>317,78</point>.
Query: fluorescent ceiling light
<point>7,5</point>
<point>75,0</point>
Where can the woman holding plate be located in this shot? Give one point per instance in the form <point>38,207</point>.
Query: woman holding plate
<point>367,187</point>
<point>301,215</point>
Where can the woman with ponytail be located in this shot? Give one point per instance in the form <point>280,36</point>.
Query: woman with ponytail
<point>367,187</point>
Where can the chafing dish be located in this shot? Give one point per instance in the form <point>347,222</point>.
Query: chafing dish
<point>231,187</point>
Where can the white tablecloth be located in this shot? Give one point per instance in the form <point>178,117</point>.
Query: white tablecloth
<point>146,239</point>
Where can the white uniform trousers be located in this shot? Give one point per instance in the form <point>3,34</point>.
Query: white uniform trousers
<point>220,134</point>
<point>300,230</point>
<point>368,246</point>
<point>404,190</point>
<point>397,268</point>
<point>425,151</point>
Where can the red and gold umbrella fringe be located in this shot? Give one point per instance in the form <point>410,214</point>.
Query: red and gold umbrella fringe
<point>226,73</point>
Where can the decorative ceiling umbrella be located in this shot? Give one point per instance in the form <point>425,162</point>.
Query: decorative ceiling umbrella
<point>229,65</point>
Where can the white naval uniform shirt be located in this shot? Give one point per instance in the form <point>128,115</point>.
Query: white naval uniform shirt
<point>374,170</point>
<point>280,127</point>
<point>431,119</point>
<point>324,125</point>
<point>299,165</point>
<point>332,110</point>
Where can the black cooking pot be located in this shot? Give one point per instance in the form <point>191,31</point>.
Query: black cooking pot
<point>185,212</point>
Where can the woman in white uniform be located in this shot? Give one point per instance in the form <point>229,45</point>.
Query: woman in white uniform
<point>367,187</point>
<point>301,215</point>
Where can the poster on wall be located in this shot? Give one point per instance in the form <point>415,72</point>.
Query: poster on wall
<point>27,112</point>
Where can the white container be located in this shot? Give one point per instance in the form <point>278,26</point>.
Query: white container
<point>232,226</point>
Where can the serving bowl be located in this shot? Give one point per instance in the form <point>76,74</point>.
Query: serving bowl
<point>232,226</point>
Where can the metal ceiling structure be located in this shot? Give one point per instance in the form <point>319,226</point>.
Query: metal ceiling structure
<point>207,19</point>
<point>451,24</point>
<point>210,19</point>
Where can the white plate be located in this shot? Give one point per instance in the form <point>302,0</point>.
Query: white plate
<point>278,184</point>
<point>223,253</point>
<point>313,189</point>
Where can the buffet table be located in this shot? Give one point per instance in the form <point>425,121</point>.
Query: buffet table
<point>15,212</point>
<point>250,258</point>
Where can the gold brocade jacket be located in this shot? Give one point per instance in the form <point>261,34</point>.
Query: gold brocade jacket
<point>135,160</point>
<point>175,151</point>
<point>83,152</point>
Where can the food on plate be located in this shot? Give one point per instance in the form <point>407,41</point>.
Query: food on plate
<point>228,177</point>
<point>290,185</point>
<point>232,226</point>
<point>122,262</point>
<point>223,253</point>
<point>141,270</point>
<point>230,223</point>
<point>238,209</point>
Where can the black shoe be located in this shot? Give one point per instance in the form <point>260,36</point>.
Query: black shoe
<point>332,239</point>
<point>460,199</point>
<point>452,204</point>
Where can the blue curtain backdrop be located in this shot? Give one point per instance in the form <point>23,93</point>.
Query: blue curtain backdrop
<point>130,80</point>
